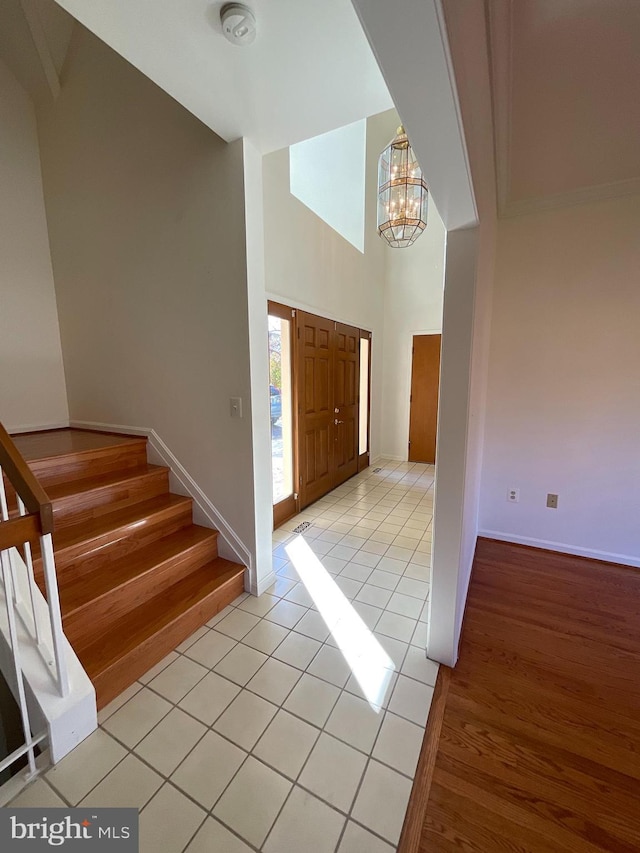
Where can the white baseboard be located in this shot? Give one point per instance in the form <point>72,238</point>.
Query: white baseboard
<point>16,430</point>
<point>204,512</point>
<point>562,547</point>
<point>263,584</point>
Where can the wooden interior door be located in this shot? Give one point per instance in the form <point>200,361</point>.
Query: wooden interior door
<point>315,406</point>
<point>425,383</point>
<point>346,388</point>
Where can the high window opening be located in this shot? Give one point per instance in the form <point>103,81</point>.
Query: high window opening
<point>327,174</point>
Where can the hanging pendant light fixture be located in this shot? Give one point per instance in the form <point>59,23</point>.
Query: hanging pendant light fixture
<point>402,194</point>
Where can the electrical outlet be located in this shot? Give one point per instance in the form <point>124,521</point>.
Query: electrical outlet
<point>513,496</point>
<point>552,501</point>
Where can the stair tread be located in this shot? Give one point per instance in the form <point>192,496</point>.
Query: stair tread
<point>86,531</point>
<point>80,590</point>
<point>149,619</point>
<point>88,484</point>
<point>58,443</point>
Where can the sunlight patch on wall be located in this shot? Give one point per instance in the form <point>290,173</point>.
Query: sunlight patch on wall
<point>327,174</point>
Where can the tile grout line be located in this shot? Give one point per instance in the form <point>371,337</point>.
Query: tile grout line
<point>296,782</point>
<point>321,730</point>
<point>245,686</point>
<point>292,629</point>
<point>167,779</point>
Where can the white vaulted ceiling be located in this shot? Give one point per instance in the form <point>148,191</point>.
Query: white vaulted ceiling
<point>566,107</point>
<point>310,69</point>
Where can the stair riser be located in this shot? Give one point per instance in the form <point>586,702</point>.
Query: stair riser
<point>79,466</point>
<point>124,672</point>
<point>96,616</point>
<point>98,553</point>
<point>92,504</point>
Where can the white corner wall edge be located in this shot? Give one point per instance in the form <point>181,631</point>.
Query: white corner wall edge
<point>409,41</point>
<point>262,576</point>
<point>455,517</point>
<point>204,512</point>
<point>562,548</point>
<point>69,719</point>
<point>407,56</point>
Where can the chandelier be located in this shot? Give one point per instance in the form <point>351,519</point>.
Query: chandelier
<point>402,194</point>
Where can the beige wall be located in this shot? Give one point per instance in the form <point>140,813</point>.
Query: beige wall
<point>414,290</point>
<point>146,218</point>
<point>564,392</point>
<point>310,265</point>
<point>32,385</point>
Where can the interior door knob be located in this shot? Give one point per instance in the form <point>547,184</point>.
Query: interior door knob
<point>336,422</point>
<point>337,410</point>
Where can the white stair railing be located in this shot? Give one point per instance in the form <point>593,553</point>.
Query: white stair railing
<point>30,741</point>
<point>31,521</point>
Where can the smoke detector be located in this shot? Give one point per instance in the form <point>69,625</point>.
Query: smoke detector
<point>238,23</point>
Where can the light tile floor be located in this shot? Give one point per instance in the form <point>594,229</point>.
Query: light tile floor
<point>255,734</point>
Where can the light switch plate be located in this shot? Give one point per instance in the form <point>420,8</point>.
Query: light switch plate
<point>235,404</point>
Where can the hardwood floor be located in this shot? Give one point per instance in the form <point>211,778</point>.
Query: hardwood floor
<point>539,748</point>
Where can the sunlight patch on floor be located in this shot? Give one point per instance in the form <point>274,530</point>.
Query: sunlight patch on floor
<point>369,663</point>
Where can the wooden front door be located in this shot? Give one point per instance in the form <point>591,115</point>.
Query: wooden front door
<point>425,383</point>
<point>315,406</point>
<point>346,388</point>
<point>328,397</point>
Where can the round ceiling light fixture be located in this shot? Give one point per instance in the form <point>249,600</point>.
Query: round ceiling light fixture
<point>238,23</point>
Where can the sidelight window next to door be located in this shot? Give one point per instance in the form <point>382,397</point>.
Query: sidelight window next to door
<point>326,436</point>
<point>281,411</point>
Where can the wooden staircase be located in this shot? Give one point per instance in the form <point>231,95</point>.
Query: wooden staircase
<point>136,576</point>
